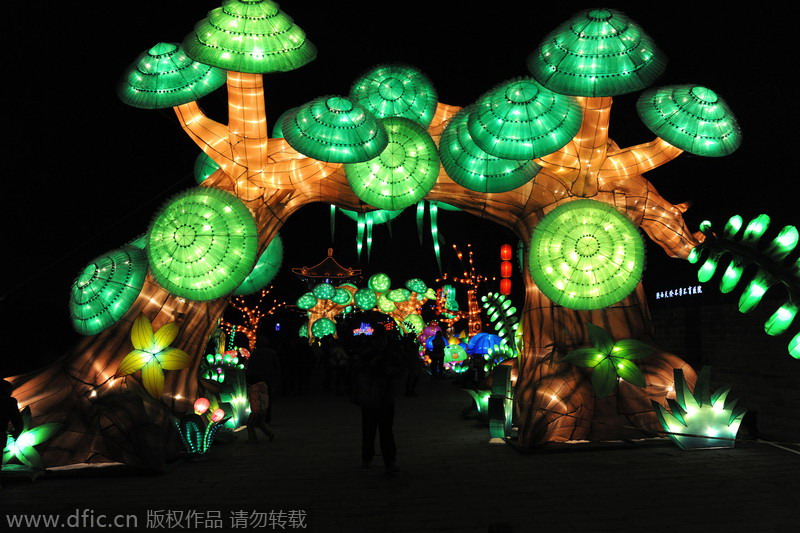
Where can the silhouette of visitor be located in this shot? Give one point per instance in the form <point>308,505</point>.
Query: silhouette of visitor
<point>377,369</point>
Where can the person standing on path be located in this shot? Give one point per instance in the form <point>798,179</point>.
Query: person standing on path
<point>377,370</point>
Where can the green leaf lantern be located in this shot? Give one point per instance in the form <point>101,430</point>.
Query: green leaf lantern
<point>22,449</point>
<point>267,266</point>
<point>397,91</point>
<point>106,289</point>
<point>252,36</point>
<point>322,327</point>
<point>586,255</point>
<point>204,166</point>
<point>403,173</point>
<point>477,170</point>
<point>164,76</point>
<point>609,360</point>
<point>599,52</point>
<point>365,299</point>
<point>202,244</point>
<point>334,129</point>
<point>521,119</point>
<point>691,117</point>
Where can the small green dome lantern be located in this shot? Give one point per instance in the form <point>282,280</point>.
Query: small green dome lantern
<point>471,167</point>
<point>397,91</point>
<point>691,117</point>
<point>204,166</point>
<point>253,36</point>
<point>599,52</point>
<point>404,172</point>
<point>334,129</point>
<point>267,266</point>
<point>106,289</point>
<point>520,119</point>
<point>164,76</point>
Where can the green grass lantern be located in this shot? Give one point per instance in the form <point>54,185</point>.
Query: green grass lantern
<point>691,117</point>
<point>334,129</point>
<point>164,76</point>
<point>202,244</point>
<point>599,52</point>
<point>106,289</point>
<point>397,91</point>
<point>267,266</point>
<point>521,119</point>
<point>475,169</point>
<point>586,255</point>
<point>403,173</point>
<point>252,36</point>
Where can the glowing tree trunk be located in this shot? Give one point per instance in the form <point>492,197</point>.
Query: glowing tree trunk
<point>554,400</point>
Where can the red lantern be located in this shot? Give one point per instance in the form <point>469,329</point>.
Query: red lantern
<point>505,269</point>
<point>217,415</point>
<point>505,252</point>
<point>201,405</point>
<point>505,286</point>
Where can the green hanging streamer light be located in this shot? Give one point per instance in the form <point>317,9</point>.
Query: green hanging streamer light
<point>433,209</point>
<point>369,222</point>
<point>360,233</point>
<point>420,219</point>
<point>333,221</point>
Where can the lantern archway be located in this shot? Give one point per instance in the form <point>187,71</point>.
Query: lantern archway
<point>566,109</point>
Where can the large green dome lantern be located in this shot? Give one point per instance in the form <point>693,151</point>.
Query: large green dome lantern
<point>586,255</point>
<point>203,244</point>
<point>252,36</point>
<point>691,117</point>
<point>164,76</point>
<point>106,289</point>
<point>403,173</point>
<point>397,91</point>
<point>471,167</point>
<point>520,119</point>
<point>267,266</point>
<point>334,129</point>
<point>599,52</point>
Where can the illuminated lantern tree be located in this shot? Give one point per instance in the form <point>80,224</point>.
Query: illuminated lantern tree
<point>565,156</point>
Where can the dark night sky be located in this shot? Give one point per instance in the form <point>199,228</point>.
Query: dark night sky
<point>91,172</point>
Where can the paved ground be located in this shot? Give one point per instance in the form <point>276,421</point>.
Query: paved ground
<point>452,480</point>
